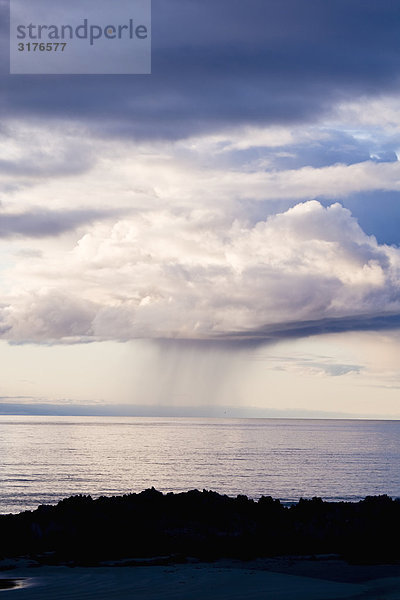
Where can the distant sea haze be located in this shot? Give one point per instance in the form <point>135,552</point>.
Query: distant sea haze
<point>46,458</point>
<point>25,406</point>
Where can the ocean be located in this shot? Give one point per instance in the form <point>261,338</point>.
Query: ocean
<point>44,459</point>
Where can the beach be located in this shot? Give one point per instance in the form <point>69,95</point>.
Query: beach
<point>285,578</point>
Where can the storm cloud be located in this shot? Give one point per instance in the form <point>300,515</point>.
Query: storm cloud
<point>308,270</point>
<point>202,201</point>
<point>224,62</point>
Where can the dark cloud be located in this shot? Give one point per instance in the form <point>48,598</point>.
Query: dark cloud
<point>272,334</point>
<point>42,222</point>
<point>306,328</point>
<point>219,62</point>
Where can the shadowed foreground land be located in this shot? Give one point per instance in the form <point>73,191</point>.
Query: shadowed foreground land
<point>150,546</point>
<point>204,525</point>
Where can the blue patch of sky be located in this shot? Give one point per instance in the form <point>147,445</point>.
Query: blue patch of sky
<point>378,213</point>
<point>338,148</point>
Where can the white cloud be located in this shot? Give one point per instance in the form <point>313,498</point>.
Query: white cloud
<point>380,114</point>
<point>185,274</point>
<point>203,171</point>
<point>186,260</point>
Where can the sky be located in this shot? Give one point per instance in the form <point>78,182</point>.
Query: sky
<point>218,238</point>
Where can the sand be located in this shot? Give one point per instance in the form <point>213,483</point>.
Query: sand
<point>223,580</point>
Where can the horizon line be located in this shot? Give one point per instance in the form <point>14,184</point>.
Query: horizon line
<point>157,411</point>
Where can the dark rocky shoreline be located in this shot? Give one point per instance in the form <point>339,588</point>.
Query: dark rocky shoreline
<point>204,525</point>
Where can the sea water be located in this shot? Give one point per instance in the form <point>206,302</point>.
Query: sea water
<point>44,459</point>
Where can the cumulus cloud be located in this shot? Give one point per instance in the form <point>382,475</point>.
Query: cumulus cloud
<point>188,274</point>
<point>47,315</point>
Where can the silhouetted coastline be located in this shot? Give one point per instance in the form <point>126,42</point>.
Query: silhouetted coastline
<point>204,525</point>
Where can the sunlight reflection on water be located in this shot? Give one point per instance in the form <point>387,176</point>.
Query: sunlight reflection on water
<point>47,458</point>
